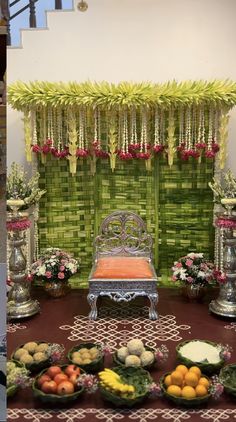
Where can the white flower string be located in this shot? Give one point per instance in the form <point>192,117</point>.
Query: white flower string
<point>85,128</point>
<point>162,127</point>
<point>156,127</point>
<point>44,123</point>
<point>50,131</point>
<point>181,126</point>
<point>34,127</point>
<point>216,124</point>
<point>216,254</point>
<point>201,126</point>
<point>188,128</point>
<point>81,128</point>
<point>143,143</point>
<point>194,126</point>
<point>36,235</point>
<point>222,249</point>
<point>28,254</point>
<point>107,128</point>
<point>119,129</point>
<point>59,128</point>
<point>210,129</point>
<point>133,126</point>
<point>125,145</point>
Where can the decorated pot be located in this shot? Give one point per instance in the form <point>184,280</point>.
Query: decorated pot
<point>57,288</point>
<point>193,291</point>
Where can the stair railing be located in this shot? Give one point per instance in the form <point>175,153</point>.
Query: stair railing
<point>6,7</point>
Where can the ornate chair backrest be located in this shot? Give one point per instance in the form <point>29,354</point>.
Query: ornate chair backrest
<point>123,233</point>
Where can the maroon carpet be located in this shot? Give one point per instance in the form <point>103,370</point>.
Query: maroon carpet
<point>65,321</point>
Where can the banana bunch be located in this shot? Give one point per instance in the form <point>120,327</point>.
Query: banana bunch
<point>110,380</point>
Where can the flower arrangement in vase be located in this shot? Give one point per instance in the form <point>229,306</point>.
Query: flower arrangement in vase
<point>54,268</point>
<point>22,188</point>
<point>194,272</point>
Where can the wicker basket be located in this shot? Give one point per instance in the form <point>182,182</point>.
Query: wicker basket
<point>205,366</point>
<point>54,398</point>
<point>138,377</point>
<point>228,378</point>
<point>95,365</point>
<point>34,367</point>
<point>117,361</point>
<point>181,401</point>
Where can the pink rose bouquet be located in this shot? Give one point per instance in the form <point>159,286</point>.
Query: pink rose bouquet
<point>193,269</point>
<point>54,265</point>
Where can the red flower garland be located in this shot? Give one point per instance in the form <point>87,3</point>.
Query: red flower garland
<point>18,225</point>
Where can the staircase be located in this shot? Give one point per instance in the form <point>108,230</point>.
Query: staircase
<point>21,13</point>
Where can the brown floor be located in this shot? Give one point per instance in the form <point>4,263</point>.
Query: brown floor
<point>179,320</point>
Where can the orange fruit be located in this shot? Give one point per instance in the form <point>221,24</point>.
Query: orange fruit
<point>188,392</point>
<point>177,378</point>
<point>201,390</point>
<point>191,379</point>
<point>182,368</point>
<point>196,371</point>
<point>167,380</point>
<point>174,390</point>
<point>204,381</point>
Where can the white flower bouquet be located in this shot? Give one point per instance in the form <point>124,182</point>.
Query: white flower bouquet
<point>194,269</point>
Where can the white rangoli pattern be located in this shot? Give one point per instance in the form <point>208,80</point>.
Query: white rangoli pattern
<point>113,415</point>
<point>117,323</point>
<point>231,326</point>
<point>11,328</point>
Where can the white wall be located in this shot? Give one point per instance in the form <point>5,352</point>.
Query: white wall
<point>136,40</point>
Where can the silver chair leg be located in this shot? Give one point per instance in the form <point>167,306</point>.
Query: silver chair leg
<point>153,315</point>
<point>92,300</point>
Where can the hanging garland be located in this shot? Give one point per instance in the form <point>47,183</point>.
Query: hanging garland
<point>126,121</point>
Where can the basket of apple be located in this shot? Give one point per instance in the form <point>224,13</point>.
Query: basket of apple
<point>58,384</point>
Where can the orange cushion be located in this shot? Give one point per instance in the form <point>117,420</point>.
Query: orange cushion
<point>122,267</point>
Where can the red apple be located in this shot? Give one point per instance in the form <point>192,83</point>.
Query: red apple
<point>60,377</point>
<point>53,371</point>
<point>73,378</point>
<point>49,387</point>
<point>65,387</point>
<point>72,369</point>
<point>43,378</point>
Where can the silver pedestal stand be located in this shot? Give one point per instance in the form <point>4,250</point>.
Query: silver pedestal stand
<point>225,304</point>
<point>20,305</point>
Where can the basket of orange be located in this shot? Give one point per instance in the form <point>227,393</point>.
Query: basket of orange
<point>186,387</point>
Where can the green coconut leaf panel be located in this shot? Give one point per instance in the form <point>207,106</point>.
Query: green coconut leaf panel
<point>23,95</point>
<point>176,204</point>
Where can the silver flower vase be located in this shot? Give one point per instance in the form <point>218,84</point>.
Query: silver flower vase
<point>19,305</point>
<point>225,304</point>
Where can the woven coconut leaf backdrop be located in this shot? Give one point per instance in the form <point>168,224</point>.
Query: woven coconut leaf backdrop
<point>175,202</point>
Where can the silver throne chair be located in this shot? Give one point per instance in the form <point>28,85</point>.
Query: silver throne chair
<point>122,265</point>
